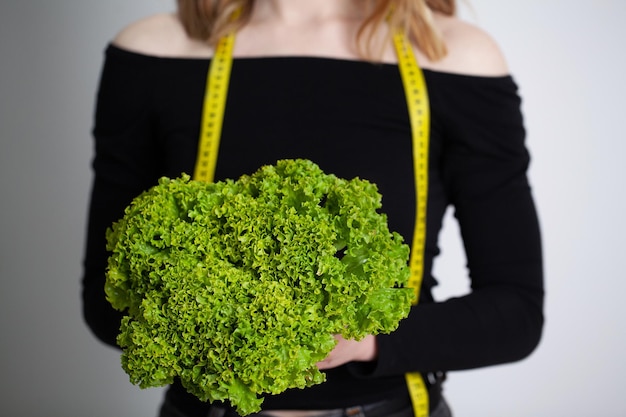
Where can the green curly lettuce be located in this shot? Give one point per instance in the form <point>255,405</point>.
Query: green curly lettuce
<point>237,287</point>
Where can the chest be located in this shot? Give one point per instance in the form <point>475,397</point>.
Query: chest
<point>349,117</point>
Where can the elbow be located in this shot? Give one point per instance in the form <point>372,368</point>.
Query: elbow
<point>102,320</point>
<point>525,327</point>
<point>531,338</point>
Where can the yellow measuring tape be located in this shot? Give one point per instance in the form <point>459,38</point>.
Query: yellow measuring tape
<point>419,115</point>
<point>213,109</point>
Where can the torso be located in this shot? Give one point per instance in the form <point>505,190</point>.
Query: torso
<point>175,99</point>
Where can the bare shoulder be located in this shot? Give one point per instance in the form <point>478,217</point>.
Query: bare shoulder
<point>160,35</point>
<point>471,50</point>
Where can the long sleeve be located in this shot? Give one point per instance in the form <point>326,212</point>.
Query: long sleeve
<point>483,165</point>
<point>123,167</point>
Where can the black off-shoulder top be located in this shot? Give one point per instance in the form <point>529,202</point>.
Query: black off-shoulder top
<point>349,117</point>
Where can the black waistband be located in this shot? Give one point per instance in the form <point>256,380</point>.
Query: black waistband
<point>190,406</point>
<point>400,406</point>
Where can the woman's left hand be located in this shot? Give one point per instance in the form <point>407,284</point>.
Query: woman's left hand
<point>348,350</point>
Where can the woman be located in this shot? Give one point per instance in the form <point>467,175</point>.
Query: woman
<point>320,80</point>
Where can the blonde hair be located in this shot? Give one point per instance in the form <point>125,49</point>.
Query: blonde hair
<point>209,20</point>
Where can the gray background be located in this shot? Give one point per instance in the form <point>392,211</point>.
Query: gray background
<point>566,55</point>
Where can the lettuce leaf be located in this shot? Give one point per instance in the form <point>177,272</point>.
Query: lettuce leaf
<point>237,287</point>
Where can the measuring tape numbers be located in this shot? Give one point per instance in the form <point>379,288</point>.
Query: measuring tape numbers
<point>419,116</point>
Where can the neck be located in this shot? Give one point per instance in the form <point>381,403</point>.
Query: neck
<point>306,27</point>
<point>297,12</point>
